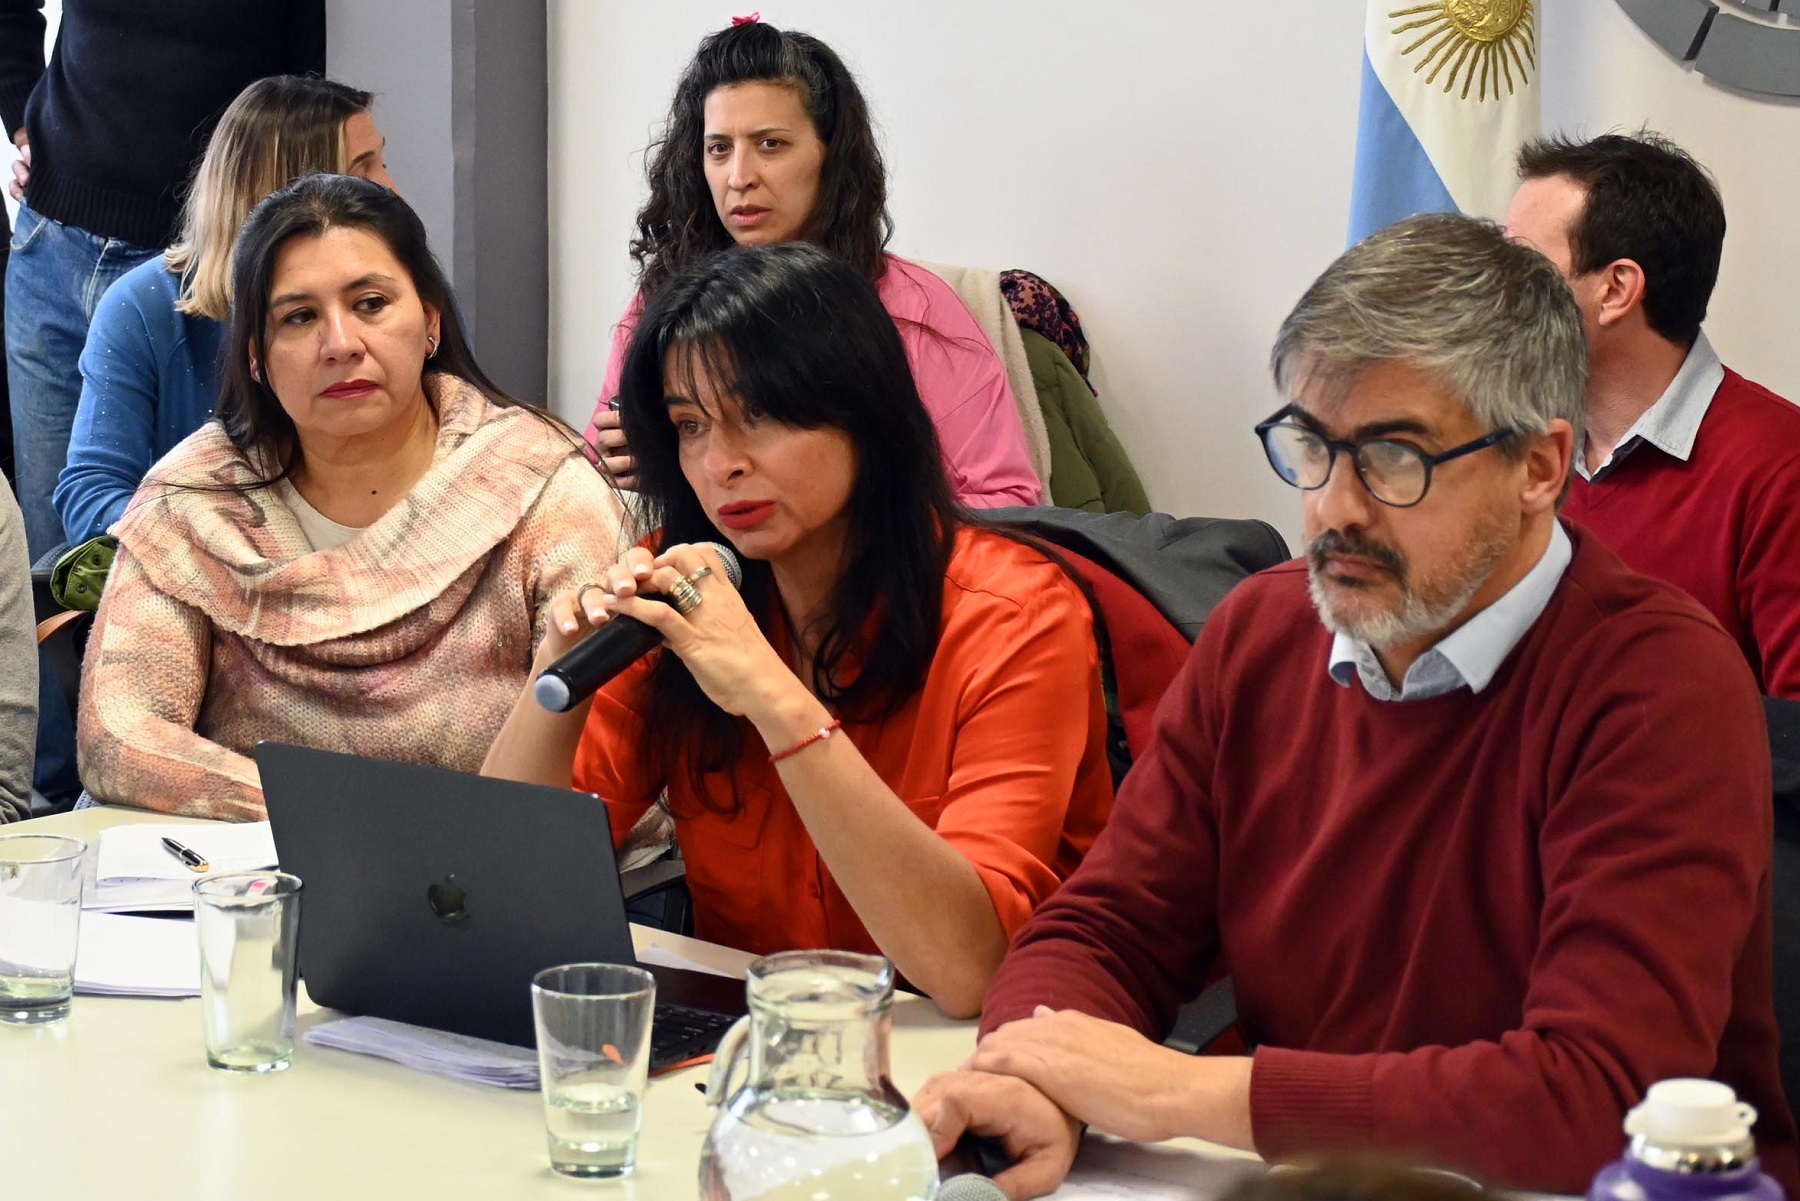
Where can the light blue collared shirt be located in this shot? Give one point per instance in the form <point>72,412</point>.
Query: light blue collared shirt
<point>1469,656</point>
<point>1673,422</point>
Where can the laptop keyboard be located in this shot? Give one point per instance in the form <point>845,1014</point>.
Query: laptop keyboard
<point>678,1033</point>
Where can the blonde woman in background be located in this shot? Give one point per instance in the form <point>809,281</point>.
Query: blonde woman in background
<point>150,370</point>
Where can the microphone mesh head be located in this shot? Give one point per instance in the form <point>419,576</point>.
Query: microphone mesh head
<point>734,571</point>
<point>970,1187</point>
<point>552,693</point>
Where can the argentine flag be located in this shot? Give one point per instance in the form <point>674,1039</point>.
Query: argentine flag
<point>1449,93</point>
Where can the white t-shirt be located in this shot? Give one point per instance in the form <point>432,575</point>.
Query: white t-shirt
<point>321,531</point>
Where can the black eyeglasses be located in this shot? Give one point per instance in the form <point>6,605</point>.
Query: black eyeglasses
<point>1395,473</point>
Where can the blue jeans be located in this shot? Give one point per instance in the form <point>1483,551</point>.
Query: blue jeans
<point>54,281</point>
<point>54,773</point>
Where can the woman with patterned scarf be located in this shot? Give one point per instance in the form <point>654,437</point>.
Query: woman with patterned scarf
<point>357,553</point>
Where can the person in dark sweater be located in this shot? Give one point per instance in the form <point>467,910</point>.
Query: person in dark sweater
<point>107,133</point>
<point>1688,470</point>
<point>1481,870</point>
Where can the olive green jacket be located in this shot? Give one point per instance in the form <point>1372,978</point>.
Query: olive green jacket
<point>1088,468</point>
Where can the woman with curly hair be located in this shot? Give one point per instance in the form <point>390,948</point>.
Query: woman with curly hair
<point>769,140</point>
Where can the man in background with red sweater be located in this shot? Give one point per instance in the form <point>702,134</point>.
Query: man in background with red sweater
<point>1481,867</point>
<point>1688,470</point>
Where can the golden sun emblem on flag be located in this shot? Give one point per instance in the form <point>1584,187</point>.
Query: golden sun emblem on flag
<point>1480,42</point>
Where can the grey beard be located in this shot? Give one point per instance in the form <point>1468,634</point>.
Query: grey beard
<point>1416,618</point>
<point>1424,610</point>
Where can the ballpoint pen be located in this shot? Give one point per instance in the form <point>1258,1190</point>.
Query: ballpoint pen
<point>193,859</point>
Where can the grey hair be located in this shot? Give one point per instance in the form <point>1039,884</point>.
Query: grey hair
<point>1492,319</point>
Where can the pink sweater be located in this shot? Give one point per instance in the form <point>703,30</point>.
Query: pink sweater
<point>220,626</point>
<point>959,376</point>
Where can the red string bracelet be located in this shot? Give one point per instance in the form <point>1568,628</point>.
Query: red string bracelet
<point>818,735</point>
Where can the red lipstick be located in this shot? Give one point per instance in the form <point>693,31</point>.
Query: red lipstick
<point>743,514</point>
<point>349,388</point>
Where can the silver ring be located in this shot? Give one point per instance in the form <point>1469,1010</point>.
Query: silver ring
<point>687,598</point>
<point>694,577</point>
<point>583,591</point>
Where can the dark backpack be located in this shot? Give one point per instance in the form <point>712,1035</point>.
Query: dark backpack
<point>1784,881</point>
<point>1153,580</point>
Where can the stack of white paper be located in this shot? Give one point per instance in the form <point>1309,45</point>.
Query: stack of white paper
<point>134,872</point>
<point>436,1051</point>
<point>119,956</point>
<point>656,954</point>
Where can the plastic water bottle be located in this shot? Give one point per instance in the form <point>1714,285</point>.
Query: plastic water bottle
<point>1690,1141</point>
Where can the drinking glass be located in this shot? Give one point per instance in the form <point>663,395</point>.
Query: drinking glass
<point>249,925</point>
<point>40,917</point>
<point>593,1039</point>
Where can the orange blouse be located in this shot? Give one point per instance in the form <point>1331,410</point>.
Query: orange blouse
<point>1002,752</point>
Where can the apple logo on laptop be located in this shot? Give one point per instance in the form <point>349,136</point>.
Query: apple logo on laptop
<point>446,900</point>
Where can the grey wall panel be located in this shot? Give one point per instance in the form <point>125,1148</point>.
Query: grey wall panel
<point>503,180</point>
<point>1758,58</point>
<point>400,50</point>
<point>1675,25</point>
<point>462,94</point>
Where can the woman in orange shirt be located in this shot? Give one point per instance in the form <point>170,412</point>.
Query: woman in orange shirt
<point>892,739</point>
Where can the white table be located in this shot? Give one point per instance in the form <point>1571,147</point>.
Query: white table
<point>117,1102</point>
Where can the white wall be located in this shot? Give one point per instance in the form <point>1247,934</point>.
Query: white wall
<point>1180,170</point>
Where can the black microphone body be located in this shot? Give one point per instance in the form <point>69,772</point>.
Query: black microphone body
<point>585,667</point>
<point>590,663</point>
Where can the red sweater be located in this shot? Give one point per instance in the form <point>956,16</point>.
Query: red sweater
<point>1469,929</point>
<point>1723,526</point>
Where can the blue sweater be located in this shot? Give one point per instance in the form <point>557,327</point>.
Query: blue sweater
<point>149,378</point>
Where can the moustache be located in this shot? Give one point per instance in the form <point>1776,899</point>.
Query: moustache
<point>1336,542</point>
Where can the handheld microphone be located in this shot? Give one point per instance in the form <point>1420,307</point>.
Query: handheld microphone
<point>970,1187</point>
<point>984,1157</point>
<point>609,650</point>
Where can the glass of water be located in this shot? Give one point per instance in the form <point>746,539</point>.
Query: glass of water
<point>593,1039</point>
<point>249,923</point>
<point>40,916</point>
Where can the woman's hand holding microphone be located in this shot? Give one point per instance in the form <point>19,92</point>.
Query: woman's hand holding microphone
<point>701,617</point>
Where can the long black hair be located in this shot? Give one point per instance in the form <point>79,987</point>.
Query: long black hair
<point>679,223</point>
<point>802,338</point>
<point>248,408</point>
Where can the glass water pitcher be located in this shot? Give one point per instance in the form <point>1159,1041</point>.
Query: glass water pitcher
<point>816,1117</point>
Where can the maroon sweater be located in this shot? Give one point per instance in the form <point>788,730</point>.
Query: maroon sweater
<point>1469,929</point>
<point>1723,526</point>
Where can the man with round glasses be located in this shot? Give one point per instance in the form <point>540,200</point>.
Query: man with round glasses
<point>1480,866</point>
